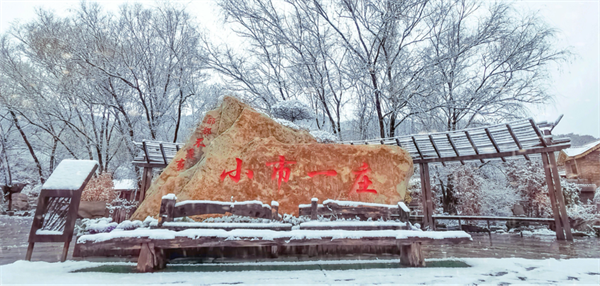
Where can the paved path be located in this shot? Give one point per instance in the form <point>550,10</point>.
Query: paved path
<point>14,232</point>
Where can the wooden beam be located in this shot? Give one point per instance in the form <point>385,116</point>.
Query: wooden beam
<point>417,147</point>
<point>146,151</point>
<point>495,155</point>
<point>512,133</point>
<point>538,133</point>
<point>473,144</point>
<point>489,134</point>
<point>162,151</point>
<point>436,149</point>
<point>454,147</point>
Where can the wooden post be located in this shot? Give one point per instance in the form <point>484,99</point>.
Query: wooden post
<point>167,207</point>
<point>149,258</point>
<point>275,210</point>
<point>411,255</point>
<point>146,181</point>
<point>403,212</point>
<point>558,226</point>
<point>426,196</point>
<point>29,251</point>
<point>313,208</point>
<point>560,198</point>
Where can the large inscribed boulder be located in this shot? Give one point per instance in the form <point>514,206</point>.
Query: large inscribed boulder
<point>239,154</point>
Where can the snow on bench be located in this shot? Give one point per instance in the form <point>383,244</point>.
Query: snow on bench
<point>70,175</point>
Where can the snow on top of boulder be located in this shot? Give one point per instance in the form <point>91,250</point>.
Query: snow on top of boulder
<point>70,175</point>
<point>169,197</point>
<point>575,151</point>
<point>323,136</point>
<point>125,184</point>
<point>356,204</point>
<point>287,123</point>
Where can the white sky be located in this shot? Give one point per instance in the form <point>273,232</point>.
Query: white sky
<point>575,84</point>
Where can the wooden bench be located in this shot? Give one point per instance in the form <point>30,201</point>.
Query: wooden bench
<point>169,234</point>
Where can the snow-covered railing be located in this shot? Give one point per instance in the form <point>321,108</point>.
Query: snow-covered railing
<point>352,209</point>
<point>171,209</point>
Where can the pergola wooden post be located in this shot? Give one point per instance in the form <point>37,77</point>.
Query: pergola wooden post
<point>521,138</point>
<point>426,196</point>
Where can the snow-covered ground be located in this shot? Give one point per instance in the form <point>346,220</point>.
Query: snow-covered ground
<point>372,272</point>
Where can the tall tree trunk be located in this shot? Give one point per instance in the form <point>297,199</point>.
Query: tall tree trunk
<point>179,105</point>
<point>35,159</point>
<point>378,105</point>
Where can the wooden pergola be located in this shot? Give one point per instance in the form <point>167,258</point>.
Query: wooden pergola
<point>521,138</point>
<point>154,154</point>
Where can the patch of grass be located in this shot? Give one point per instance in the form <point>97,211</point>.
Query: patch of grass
<point>262,267</point>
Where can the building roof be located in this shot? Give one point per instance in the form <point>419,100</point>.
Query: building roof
<point>124,184</point>
<point>578,152</point>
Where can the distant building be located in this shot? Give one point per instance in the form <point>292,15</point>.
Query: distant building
<point>582,163</point>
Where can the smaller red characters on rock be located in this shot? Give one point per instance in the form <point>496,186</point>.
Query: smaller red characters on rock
<point>190,154</point>
<point>180,164</point>
<point>199,143</point>
<point>236,174</point>
<point>210,120</point>
<point>330,173</point>
<point>362,182</point>
<point>206,131</point>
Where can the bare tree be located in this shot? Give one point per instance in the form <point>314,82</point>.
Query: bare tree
<point>488,63</point>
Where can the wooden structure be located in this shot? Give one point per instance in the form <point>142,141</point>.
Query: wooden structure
<point>362,210</point>
<point>582,163</point>
<point>9,190</point>
<point>152,244</point>
<point>169,209</point>
<point>58,203</point>
<point>153,154</point>
<point>521,138</point>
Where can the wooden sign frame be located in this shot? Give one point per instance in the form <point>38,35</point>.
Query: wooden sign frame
<point>47,201</point>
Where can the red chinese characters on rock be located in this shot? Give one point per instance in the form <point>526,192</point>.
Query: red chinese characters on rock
<point>235,175</point>
<point>210,120</point>
<point>206,131</point>
<point>280,171</point>
<point>362,181</point>
<point>189,154</point>
<point>330,173</point>
<point>180,164</point>
<point>199,143</point>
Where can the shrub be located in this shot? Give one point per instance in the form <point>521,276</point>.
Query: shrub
<point>292,110</point>
<point>99,188</point>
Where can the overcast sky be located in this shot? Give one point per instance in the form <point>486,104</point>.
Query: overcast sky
<point>575,85</point>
